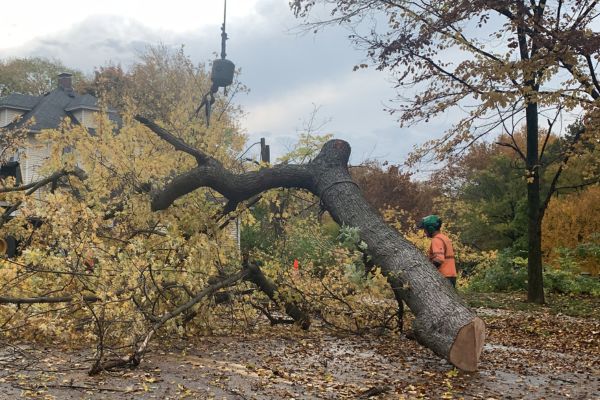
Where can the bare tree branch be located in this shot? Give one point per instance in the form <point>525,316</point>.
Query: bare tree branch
<point>33,187</point>
<point>559,171</point>
<point>136,357</point>
<point>200,156</point>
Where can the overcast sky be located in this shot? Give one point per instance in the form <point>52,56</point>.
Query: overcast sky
<point>288,74</point>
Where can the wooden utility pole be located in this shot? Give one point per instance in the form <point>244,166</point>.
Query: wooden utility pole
<point>265,151</point>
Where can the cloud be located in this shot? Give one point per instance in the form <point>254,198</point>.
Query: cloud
<point>354,108</point>
<point>92,42</point>
<point>287,73</point>
<point>21,23</point>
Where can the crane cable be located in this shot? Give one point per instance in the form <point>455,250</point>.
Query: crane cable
<point>209,98</point>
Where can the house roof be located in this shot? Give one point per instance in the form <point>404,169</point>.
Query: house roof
<point>83,101</point>
<point>49,110</point>
<point>19,101</point>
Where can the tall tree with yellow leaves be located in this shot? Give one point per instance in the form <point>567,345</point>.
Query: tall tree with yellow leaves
<point>500,61</point>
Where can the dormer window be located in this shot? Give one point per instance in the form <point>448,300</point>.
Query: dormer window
<point>85,116</point>
<point>14,106</point>
<point>8,115</point>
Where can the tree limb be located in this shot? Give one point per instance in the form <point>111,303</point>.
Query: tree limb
<point>33,187</point>
<point>257,277</point>
<point>200,156</point>
<point>558,173</point>
<point>136,357</point>
<point>45,300</point>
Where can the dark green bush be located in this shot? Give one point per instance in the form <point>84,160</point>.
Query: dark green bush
<point>567,278</point>
<point>506,273</point>
<point>509,273</point>
<point>565,282</point>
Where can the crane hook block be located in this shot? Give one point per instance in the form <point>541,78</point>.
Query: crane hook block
<point>222,72</point>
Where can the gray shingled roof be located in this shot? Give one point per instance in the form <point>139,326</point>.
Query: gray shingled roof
<point>83,101</point>
<point>49,110</point>
<point>19,101</point>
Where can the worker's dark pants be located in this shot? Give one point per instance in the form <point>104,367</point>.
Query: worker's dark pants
<point>452,281</point>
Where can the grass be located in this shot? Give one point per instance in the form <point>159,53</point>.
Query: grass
<point>572,305</point>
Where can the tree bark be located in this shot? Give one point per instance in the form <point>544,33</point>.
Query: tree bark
<point>535,279</point>
<point>443,322</point>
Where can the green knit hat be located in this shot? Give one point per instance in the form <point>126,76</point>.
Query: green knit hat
<point>430,223</point>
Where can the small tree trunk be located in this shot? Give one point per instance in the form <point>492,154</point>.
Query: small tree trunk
<point>535,279</point>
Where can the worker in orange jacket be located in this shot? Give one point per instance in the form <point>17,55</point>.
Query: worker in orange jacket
<point>441,252</point>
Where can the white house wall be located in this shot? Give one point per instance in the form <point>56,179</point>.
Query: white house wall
<point>78,114</point>
<point>89,117</point>
<point>233,232</point>
<point>8,115</point>
<point>86,118</point>
<point>34,155</point>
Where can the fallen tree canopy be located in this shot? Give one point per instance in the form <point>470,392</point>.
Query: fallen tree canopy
<point>443,322</point>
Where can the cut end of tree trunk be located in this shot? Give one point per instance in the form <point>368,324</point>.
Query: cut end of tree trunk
<point>467,346</point>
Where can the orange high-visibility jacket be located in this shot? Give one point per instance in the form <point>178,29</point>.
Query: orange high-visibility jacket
<point>441,251</point>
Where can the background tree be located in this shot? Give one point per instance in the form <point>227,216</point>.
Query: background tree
<point>166,86</point>
<point>488,204</point>
<point>501,61</point>
<point>483,196</point>
<point>568,227</point>
<point>390,188</point>
<point>34,76</point>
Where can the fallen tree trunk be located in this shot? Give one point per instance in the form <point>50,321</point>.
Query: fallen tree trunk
<point>443,322</point>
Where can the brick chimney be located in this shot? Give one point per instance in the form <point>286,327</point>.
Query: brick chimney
<point>65,82</point>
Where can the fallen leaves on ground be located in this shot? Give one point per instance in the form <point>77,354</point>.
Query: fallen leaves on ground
<point>534,354</point>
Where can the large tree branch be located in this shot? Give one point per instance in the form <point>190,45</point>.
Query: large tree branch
<point>235,187</point>
<point>56,299</point>
<point>43,182</point>
<point>269,288</point>
<point>46,300</point>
